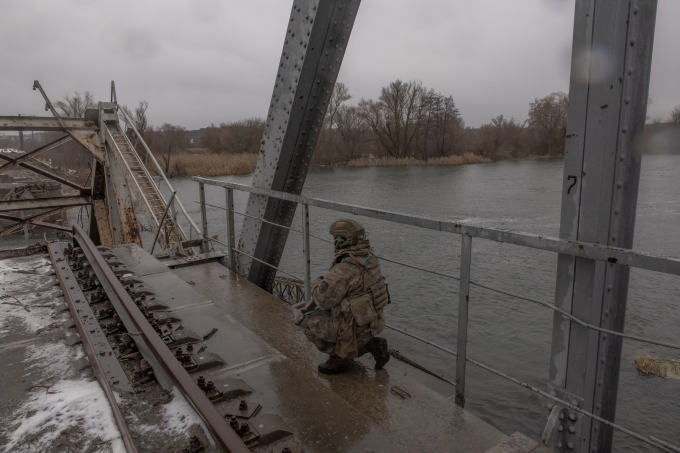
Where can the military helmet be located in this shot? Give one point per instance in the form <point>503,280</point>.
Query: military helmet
<point>347,232</point>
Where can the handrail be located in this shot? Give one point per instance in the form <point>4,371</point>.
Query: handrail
<point>489,288</point>
<point>613,255</point>
<point>155,239</point>
<point>160,171</point>
<point>653,441</point>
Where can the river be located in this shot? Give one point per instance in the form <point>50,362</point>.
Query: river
<point>508,334</point>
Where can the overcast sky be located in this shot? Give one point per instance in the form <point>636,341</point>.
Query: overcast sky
<point>210,61</point>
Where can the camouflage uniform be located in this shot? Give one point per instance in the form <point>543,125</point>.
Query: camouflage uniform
<point>350,298</point>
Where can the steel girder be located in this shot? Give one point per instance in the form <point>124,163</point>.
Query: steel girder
<point>100,229</point>
<point>87,140</point>
<point>33,154</point>
<point>83,131</point>
<point>47,124</point>
<point>34,219</point>
<point>38,203</point>
<point>316,38</point>
<point>57,178</point>
<point>611,62</point>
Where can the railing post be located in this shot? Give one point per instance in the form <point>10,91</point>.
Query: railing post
<point>463,302</point>
<point>175,226</point>
<point>204,219</point>
<point>305,252</point>
<point>231,235</point>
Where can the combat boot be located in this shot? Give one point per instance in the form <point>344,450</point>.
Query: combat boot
<point>378,349</point>
<point>335,365</point>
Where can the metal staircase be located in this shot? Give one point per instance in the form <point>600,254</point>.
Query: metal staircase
<point>148,195</point>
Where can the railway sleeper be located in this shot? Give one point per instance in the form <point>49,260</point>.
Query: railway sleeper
<point>230,396</point>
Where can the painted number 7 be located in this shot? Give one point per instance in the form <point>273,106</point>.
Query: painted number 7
<point>569,178</point>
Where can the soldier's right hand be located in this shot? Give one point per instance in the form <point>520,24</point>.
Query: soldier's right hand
<point>299,316</point>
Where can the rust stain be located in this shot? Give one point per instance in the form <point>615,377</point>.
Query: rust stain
<point>612,260</point>
<point>131,227</point>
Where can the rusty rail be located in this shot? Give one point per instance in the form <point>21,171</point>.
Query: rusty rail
<point>132,317</point>
<point>63,273</point>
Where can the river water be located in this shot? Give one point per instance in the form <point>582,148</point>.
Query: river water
<point>508,334</point>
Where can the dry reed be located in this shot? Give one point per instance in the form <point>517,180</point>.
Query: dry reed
<point>192,164</point>
<point>464,159</point>
<point>649,366</point>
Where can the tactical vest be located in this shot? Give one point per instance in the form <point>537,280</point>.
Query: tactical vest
<point>362,308</point>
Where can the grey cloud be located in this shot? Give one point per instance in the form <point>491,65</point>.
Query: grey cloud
<point>198,62</point>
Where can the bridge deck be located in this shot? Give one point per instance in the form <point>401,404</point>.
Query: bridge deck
<point>256,336</point>
<point>427,421</point>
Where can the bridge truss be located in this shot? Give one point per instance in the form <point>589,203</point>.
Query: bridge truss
<point>611,62</point>
<point>119,177</point>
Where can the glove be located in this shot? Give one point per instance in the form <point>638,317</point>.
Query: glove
<point>299,316</point>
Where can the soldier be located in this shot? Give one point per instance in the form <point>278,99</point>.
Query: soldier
<point>349,301</point>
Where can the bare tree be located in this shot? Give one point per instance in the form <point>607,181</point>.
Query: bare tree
<point>74,107</point>
<point>548,116</point>
<point>168,139</point>
<point>140,119</point>
<point>237,138</point>
<point>338,97</point>
<point>395,116</point>
<point>500,138</point>
<point>442,125</point>
<point>246,136</point>
<point>331,145</point>
<point>353,133</point>
<point>675,115</point>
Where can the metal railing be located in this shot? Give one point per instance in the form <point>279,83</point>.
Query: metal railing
<point>641,260</point>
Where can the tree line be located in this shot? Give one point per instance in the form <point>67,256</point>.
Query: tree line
<point>410,120</point>
<point>406,120</point>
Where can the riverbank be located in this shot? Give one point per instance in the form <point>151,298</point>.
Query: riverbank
<point>464,159</point>
<point>187,163</point>
<point>192,163</point>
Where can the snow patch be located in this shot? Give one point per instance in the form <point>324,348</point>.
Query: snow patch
<point>55,359</point>
<point>34,320</point>
<point>69,404</point>
<point>178,416</point>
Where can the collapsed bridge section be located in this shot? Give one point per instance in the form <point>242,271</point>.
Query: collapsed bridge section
<point>119,177</point>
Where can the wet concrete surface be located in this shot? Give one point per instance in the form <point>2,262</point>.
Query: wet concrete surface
<point>264,353</point>
<point>316,404</point>
<point>320,419</point>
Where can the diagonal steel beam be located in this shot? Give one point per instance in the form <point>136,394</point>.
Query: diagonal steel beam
<point>314,46</point>
<point>52,226</point>
<point>47,124</point>
<point>87,142</point>
<point>37,203</point>
<point>21,222</point>
<point>50,175</point>
<point>35,153</point>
